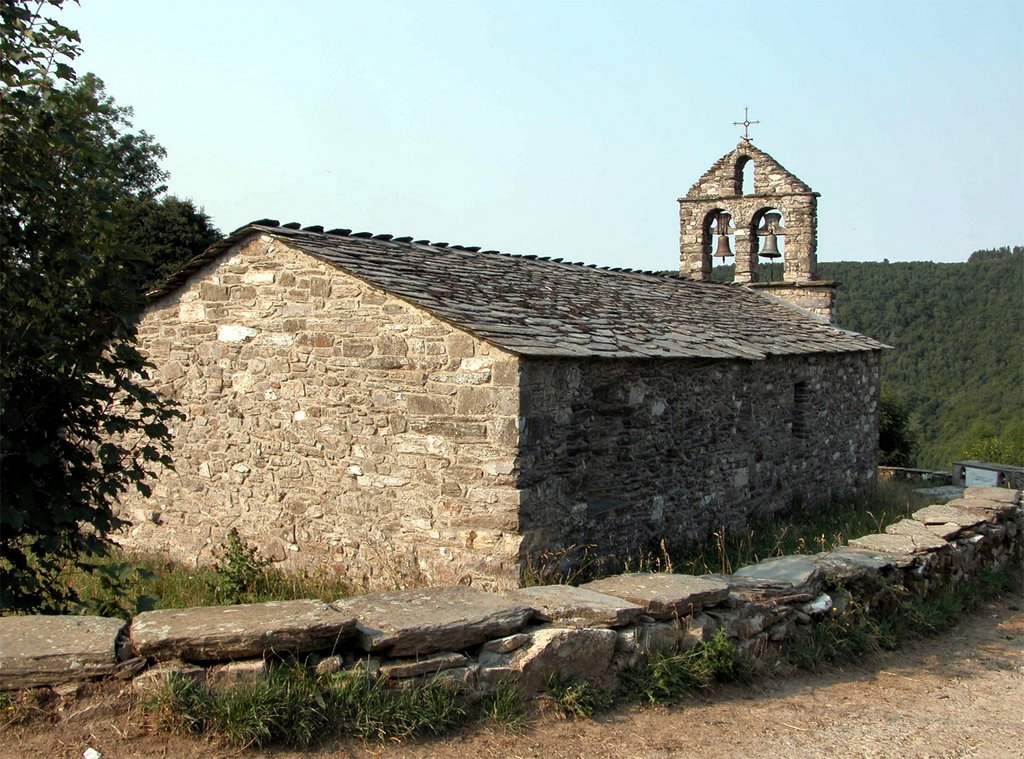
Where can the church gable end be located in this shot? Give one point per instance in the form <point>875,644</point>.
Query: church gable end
<point>331,423</point>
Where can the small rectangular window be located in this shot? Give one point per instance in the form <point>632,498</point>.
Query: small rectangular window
<point>801,398</point>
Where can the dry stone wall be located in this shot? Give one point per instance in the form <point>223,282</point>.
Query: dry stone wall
<point>619,455</point>
<point>478,640</point>
<point>331,424</point>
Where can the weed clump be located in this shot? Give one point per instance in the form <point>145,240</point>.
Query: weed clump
<point>239,570</point>
<point>899,615</point>
<point>666,677</point>
<point>579,698</point>
<point>503,708</point>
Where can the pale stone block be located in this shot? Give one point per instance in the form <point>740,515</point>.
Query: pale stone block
<point>500,466</point>
<point>460,345</point>
<point>259,277</point>
<point>153,679</point>
<point>565,654</point>
<point>235,333</point>
<point>226,677</point>
<point>476,364</point>
<point>192,312</point>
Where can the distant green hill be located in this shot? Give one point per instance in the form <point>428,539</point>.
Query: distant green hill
<point>958,334</point>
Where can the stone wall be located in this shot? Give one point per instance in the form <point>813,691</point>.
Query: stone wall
<point>621,454</point>
<point>332,424</point>
<point>531,636</point>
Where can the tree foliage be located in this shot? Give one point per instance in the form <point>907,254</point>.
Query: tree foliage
<point>170,231</point>
<point>958,334</point>
<point>79,426</point>
<point>896,443</point>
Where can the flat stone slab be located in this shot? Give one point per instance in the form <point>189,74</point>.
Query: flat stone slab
<point>944,531</point>
<point>744,589</point>
<point>1002,495</point>
<point>578,607</point>
<point>663,595</point>
<point>885,543</point>
<point>846,563</point>
<point>944,514</point>
<point>427,665</point>
<point>991,510</point>
<point>795,571</point>
<point>243,631</point>
<point>924,539</point>
<point>45,650</point>
<point>428,620</point>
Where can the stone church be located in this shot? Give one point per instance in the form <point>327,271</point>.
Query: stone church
<point>390,408</point>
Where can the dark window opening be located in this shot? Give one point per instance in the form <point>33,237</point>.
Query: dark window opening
<point>801,399</point>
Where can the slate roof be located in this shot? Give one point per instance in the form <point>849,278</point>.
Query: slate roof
<point>547,307</point>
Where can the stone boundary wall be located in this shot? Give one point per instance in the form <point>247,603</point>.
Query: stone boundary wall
<point>478,639</point>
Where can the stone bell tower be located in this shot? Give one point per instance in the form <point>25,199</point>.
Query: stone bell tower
<point>776,216</point>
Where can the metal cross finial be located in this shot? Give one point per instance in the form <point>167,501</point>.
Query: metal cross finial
<point>745,124</point>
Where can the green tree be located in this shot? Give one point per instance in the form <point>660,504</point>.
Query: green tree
<point>896,444</point>
<point>1006,448</point>
<point>170,231</point>
<point>78,425</point>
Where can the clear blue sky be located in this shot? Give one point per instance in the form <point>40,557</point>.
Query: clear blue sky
<point>570,128</point>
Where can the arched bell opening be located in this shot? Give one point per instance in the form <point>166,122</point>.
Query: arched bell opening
<point>768,236</point>
<point>718,240</point>
<point>743,176</point>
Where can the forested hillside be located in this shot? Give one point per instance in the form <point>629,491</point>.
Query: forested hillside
<point>958,336</point>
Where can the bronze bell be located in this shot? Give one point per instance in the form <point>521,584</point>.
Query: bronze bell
<point>770,249</point>
<point>770,231</point>
<point>724,250</point>
<point>722,221</point>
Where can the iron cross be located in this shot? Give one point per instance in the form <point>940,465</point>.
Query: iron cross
<point>745,124</point>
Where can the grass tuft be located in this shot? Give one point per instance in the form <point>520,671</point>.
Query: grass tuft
<point>899,617</point>
<point>663,677</point>
<point>123,584</point>
<point>504,708</point>
<point>579,698</point>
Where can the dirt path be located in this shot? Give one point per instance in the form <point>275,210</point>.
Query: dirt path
<point>959,695</point>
